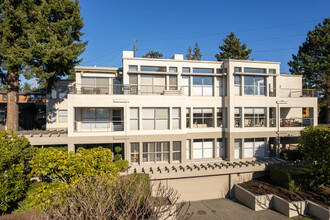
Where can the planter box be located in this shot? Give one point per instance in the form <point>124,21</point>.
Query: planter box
<point>270,201</point>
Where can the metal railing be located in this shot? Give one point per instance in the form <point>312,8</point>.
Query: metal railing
<point>98,126</point>
<point>296,122</point>
<point>296,93</point>
<point>120,89</point>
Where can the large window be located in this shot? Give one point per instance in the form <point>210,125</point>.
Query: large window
<point>203,117</point>
<point>176,116</point>
<point>254,117</point>
<point>134,119</point>
<point>176,151</point>
<point>221,148</point>
<point>173,82</point>
<point>254,147</point>
<point>63,115</point>
<point>4,97</point>
<point>153,68</point>
<point>186,69</point>
<point>202,148</point>
<point>203,70</point>
<point>221,117</point>
<point>221,85</point>
<point>154,152</point>
<point>254,70</point>
<point>92,85</point>
<point>133,82</point>
<point>155,118</point>
<point>186,85</point>
<point>135,152</point>
<point>133,68</point>
<point>152,84</point>
<point>238,149</point>
<point>237,83</point>
<point>95,117</point>
<point>272,117</point>
<point>173,69</point>
<point>238,117</point>
<point>203,86</point>
<point>254,85</point>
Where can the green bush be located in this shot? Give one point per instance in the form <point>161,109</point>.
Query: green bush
<point>15,154</point>
<point>292,178</point>
<point>314,147</point>
<point>291,155</point>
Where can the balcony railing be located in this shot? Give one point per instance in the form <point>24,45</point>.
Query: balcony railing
<point>296,122</point>
<point>98,126</point>
<point>119,89</point>
<point>296,93</point>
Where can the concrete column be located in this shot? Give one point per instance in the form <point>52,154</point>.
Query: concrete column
<point>230,148</point>
<point>215,142</point>
<point>171,152</point>
<point>214,86</point>
<point>71,147</point>
<point>267,117</point>
<point>242,85</point>
<point>183,151</point>
<point>140,153</point>
<point>191,85</point>
<point>215,117</point>
<point>242,149</point>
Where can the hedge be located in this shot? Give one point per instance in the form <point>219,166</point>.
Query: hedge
<point>291,155</point>
<point>292,178</point>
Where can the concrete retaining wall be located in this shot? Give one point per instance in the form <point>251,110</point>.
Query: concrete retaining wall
<point>289,209</point>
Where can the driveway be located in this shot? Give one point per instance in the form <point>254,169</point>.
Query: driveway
<point>227,209</point>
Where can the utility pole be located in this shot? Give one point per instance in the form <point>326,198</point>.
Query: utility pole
<point>134,47</point>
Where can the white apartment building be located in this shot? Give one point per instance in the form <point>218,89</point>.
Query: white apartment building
<point>177,118</point>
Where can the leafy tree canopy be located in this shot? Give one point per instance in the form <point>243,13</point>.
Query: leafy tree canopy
<point>153,54</point>
<point>233,49</point>
<point>197,55</point>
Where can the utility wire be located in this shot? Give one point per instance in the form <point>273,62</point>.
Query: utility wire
<point>237,31</point>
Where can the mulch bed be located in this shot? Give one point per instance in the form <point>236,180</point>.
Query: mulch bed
<point>22,216</point>
<point>262,186</point>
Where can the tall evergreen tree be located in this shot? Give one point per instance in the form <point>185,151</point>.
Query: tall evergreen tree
<point>313,62</point>
<point>233,49</point>
<point>194,54</point>
<point>153,54</point>
<point>26,87</point>
<point>188,55</point>
<point>37,39</point>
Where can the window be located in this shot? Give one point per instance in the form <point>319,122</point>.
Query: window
<point>238,149</point>
<point>153,68</point>
<point>133,82</point>
<point>188,118</point>
<point>272,71</point>
<point>203,86</point>
<point>221,117</point>
<point>176,151</point>
<point>221,85</point>
<point>173,69</point>
<point>237,69</point>
<point>254,117</point>
<point>203,117</point>
<point>173,82</point>
<point>220,70</point>
<point>254,147</point>
<point>221,148</point>
<point>134,118</point>
<point>135,153</point>
<point>202,148</point>
<point>238,117</point>
<point>155,118</point>
<point>152,84</point>
<point>176,115</point>
<point>32,97</point>
<point>237,83</point>
<point>186,69</point>
<point>63,115</point>
<point>54,93</point>
<point>90,85</point>
<point>203,70</point>
<point>272,117</point>
<point>254,70</point>
<point>186,85</point>
<point>95,117</point>
<point>4,97</point>
<point>133,68</point>
<point>39,98</point>
<point>188,149</point>
<point>254,85</point>
<point>156,152</point>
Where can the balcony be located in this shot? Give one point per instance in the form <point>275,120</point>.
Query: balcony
<point>98,126</point>
<point>119,89</point>
<point>297,93</point>
<point>296,122</point>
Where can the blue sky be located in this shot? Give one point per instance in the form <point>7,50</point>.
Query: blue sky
<point>171,26</point>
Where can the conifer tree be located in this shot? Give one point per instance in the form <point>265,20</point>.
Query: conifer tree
<point>197,55</point>
<point>39,39</point>
<point>153,54</point>
<point>233,49</point>
<point>188,55</point>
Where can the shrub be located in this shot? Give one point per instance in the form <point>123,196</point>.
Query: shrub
<point>292,178</point>
<point>291,155</point>
<point>99,198</point>
<point>15,153</point>
<point>314,146</point>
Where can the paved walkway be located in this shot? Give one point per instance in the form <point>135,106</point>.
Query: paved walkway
<point>227,209</point>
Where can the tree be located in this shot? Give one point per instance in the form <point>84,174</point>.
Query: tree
<point>313,62</point>
<point>37,39</point>
<point>233,49</point>
<point>197,55</point>
<point>26,87</point>
<point>153,54</point>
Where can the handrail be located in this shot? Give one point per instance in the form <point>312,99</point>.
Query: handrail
<point>295,93</point>
<point>296,122</point>
<point>94,126</point>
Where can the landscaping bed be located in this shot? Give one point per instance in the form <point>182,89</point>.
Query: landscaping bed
<point>262,186</point>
